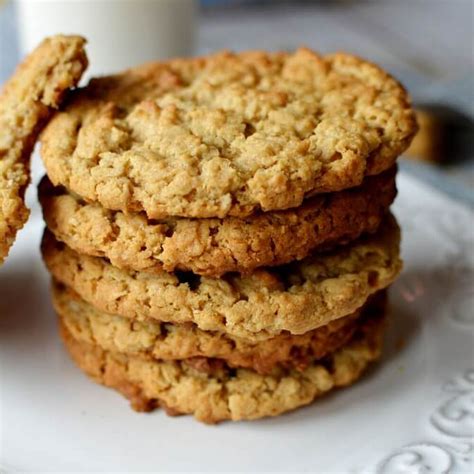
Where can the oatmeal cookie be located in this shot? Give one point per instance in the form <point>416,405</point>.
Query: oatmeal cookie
<point>153,340</point>
<point>26,102</point>
<point>296,298</point>
<point>222,393</point>
<point>228,134</point>
<point>213,247</point>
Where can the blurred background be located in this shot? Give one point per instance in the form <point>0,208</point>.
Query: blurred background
<point>426,44</point>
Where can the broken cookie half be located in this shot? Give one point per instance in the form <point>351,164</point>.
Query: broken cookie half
<point>27,100</point>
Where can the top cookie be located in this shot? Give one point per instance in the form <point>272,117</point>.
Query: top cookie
<point>26,101</point>
<point>229,133</point>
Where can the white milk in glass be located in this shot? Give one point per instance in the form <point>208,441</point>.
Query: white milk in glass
<point>120,33</point>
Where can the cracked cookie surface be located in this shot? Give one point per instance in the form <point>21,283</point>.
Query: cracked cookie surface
<point>297,297</point>
<point>228,134</point>
<point>226,394</point>
<point>153,340</point>
<point>26,102</point>
<point>216,246</point>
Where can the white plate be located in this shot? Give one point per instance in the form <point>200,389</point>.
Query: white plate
<point>413,412</point>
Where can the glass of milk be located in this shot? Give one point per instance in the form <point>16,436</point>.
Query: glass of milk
<point>120,33</point>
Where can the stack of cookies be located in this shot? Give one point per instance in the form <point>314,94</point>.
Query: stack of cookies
<point>219,233</point>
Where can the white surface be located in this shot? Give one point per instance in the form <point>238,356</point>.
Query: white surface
<point>413,411</point>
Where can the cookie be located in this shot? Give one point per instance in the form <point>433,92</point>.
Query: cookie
<point>213,247</point>
<point>151,339</point>
<point>228,134</point>
<point>26,101</point>
<point>223,393</point>
<point>296,298</point>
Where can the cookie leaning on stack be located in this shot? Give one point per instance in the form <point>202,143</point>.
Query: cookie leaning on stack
<point>219,234</point>
<point>26,102</point>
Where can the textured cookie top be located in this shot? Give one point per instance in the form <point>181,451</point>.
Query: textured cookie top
<point>296,298</point>
<point>240,394</point>
<point>152,339</point>
<point>216,246</point>
<point>229,133</point>
<point>26,101</point>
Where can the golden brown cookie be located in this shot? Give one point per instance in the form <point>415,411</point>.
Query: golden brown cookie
<point>213,247</point>
<point>26,102</point>
<point>429,144</point>
<point>151,339</point>
<point>296,298</point>
<point>223,393</point>
<point>228,134</point>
